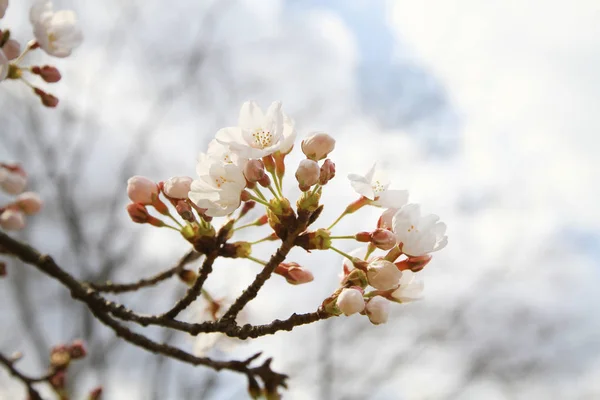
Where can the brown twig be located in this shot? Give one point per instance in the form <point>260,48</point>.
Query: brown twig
<point>260,279</point>
<point>111,287</point>
<point>26,380</point>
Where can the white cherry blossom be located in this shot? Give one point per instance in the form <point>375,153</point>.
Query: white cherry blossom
<point>259,134</point>
<point>419,235</point>
<point>350,301</point>
<point>383,274</point>
<point>409,289</point>
<point>219,186</point>
<point>57,33</point>
<point>378,310</point>
<point>374,186</point>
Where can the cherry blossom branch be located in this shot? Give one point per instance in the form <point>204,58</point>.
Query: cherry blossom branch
<point>26,380</point>
<point>111,287</point>
<point>195,290</point>
<point>277,258</point>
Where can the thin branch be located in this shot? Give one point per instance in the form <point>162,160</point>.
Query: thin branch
<point>111,287</point>
<point>252,291</point>
<point>26,380</point>
<point>94,301</point>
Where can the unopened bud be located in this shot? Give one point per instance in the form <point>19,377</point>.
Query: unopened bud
<point>77,350</point>
<point>12,182</point>
<point>29,202</point>
<point>47,99</point>
<point>363,237</point>
<point>177,187</point>
<point>60,357</point>
<point>307,174</point>
<point>95,394</point>
<point>269,163</point>
<point>58,380</point>
<point>12,220</point>
<point>294,273</point>
<point>315,240</point>
<point>265,181</point>
<point>236,250</point>
<point>378,310</point>
<point>249,205</point>
<point>141,190</point>
<point>48,73</point>
<point>383,275</point>
<point>350,301</point>
<point>356,277</point>
<point>383,239</point>
<point>327,172</point>
<point>11,49</point>
<point>185,211</point>
<point>254,170</point>
<point>262,220</point>
<point>414,264</point>
<point>317,146</point>
<point>139,214</point>
<point>187,276</point>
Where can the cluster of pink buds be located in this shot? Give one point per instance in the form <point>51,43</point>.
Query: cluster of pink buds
<point>244,168</point>
<point>61,357</point>
<point>55,32</point>
<point>13,181</point>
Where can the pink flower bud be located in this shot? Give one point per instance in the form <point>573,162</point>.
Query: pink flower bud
<point>139,214</point>
<point>363,237</point>
<point>383,274</point>
<point>254,170</point>
<point>383,239</point>
<point>307,174</point>
<point>414,264</point>
<point>95,394</point>
<point>350,301</point>
<point>177,187</point>
<point>378,310</point>
<point>185,211</point>
<point>12,182</point>
<point>77,350</point>
<point>47,99</point>
<point>29,202</point>
<point>48,73</point>
<point>11,49</point>
<point>58,380</point>
<point>317,146</point>
<point>294,273</point>
<point>12,220</point>
<point>327,172</point>
<point>141,190</point>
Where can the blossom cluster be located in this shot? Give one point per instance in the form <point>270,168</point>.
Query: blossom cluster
<point>244,166</point>
<point>55,32</point>
<point>13,181</point>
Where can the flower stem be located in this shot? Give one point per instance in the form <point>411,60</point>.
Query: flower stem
<point>259,193</point>
<point>171,227</point>
<point>349,257</point>
<point>265,239</point>
<point>343,237</point>
<point>337,220</point>
<point>270,187</point>
<point>245,226</point>
<point>24,53</point>
<point>175,220</point>
<point>261,201</point>
<point>277,183</point>
<point>256,260</point>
